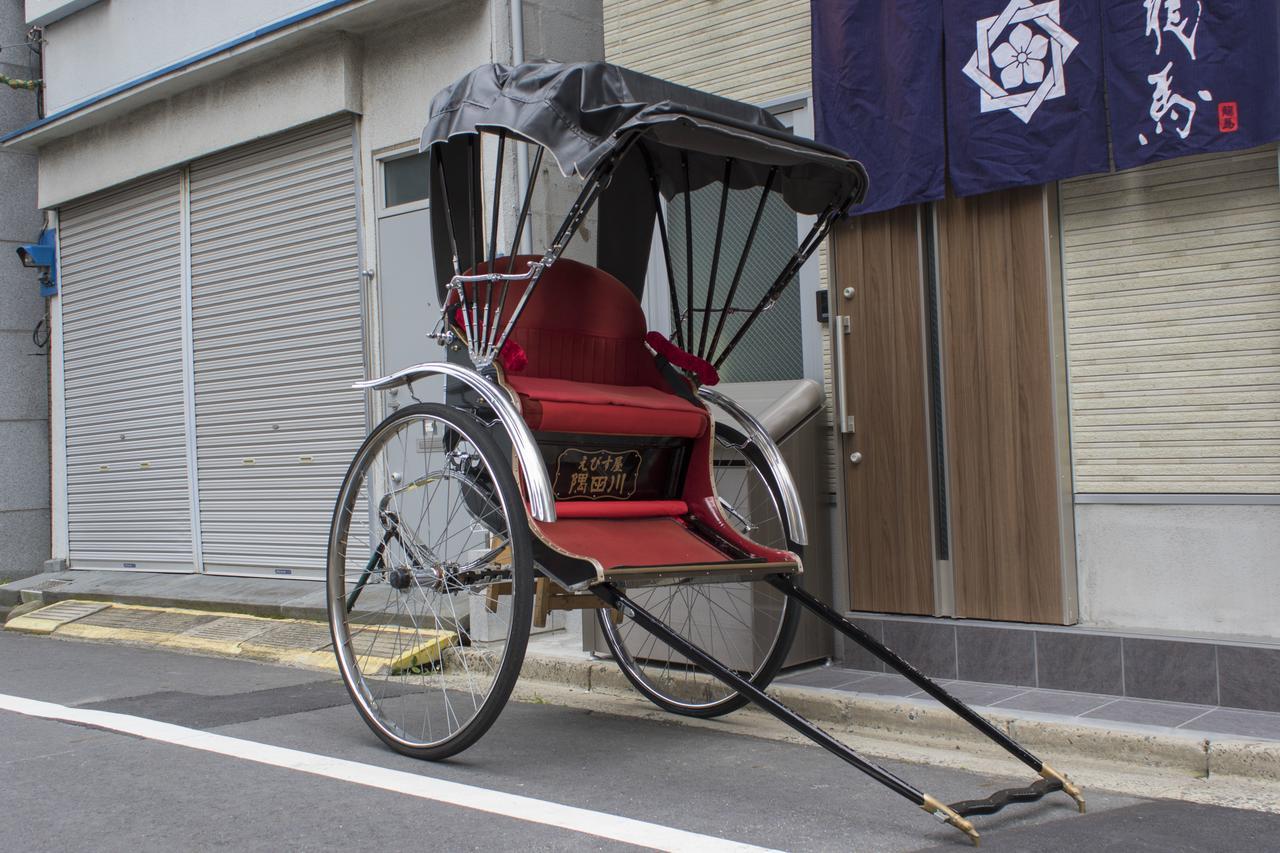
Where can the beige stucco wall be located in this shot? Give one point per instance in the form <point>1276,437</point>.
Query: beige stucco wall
<point>107,43</point>
<point>282,92</point>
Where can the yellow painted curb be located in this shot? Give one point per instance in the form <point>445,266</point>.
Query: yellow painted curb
<point>297,642</point>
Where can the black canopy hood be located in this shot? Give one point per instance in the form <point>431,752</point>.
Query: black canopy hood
<point>581,112</point>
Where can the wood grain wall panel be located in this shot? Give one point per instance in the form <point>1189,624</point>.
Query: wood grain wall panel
<point>887,502</point>
<point>999,390</point>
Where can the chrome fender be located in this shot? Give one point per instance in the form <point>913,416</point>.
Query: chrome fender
<point>542,501</point>
<point>759,436</point>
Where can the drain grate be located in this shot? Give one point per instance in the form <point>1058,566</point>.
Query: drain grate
<point>224,635</point>
<point>397,650</point>
<point>291,636</point>
<point>64,611</point>
<point>392,644</point>
<point>150,621</point>
<point>228,629</point>
<point>47,619</point>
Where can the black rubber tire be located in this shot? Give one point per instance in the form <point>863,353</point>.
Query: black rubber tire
<point>499,465</point>
<point>783,639</point>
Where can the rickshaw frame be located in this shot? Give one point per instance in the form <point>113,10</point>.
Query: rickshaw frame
<point>471,333</point>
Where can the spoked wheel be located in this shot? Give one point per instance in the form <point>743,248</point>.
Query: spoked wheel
<point>430,580</point>
<point>747,626</point>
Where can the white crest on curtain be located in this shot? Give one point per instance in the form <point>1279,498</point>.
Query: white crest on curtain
<point>1018,64</point>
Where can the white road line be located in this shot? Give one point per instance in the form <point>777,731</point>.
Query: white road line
<point>638,832</point>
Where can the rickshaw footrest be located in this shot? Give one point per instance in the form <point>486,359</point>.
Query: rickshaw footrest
<point>1006,797</point>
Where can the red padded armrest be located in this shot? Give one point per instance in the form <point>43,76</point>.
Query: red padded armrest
<point>700,368</point>
<point>620,509</point>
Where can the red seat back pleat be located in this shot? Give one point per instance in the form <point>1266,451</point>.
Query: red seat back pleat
<point>580,324</point>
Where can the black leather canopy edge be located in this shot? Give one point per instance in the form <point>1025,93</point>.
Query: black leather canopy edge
<point>581,112</point>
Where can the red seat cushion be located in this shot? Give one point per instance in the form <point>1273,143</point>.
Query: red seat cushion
<point>561,405</point>
<point>612,542</point>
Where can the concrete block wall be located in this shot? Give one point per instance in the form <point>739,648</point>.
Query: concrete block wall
<point>564,30</point>
<point>24,366</point>
<point>1194,569</point>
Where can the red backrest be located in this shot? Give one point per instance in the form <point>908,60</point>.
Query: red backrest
<point>581,324</point>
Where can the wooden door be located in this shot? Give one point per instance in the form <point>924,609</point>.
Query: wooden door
<point>1009,530</point>
<point>887,491</point>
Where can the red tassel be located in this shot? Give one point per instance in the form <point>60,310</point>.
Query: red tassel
<point>702,369</point>
<point>513,357</point>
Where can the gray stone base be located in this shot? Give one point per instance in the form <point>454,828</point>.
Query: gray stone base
<point>1209,671</point>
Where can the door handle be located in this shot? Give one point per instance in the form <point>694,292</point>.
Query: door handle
<point>839,329</point>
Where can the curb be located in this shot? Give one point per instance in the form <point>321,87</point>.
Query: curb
<point>7,613</point>
<point>887,726</point>
<point>923,724</point>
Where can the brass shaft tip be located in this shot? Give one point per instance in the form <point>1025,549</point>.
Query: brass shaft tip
<point>1068,787</point>
<point>946,814</point>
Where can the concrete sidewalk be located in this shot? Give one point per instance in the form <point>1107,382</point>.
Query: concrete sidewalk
<point>883,715</point>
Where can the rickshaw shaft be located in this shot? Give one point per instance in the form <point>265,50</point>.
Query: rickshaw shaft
<point>829,615</point>
<point>616,598</point>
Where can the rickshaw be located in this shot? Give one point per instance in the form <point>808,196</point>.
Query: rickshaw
<point>577,459</point>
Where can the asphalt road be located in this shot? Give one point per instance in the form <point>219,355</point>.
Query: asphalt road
<point>67,786</point>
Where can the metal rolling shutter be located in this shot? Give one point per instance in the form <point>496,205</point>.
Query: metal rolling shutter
<point>128,494</point>
<point>276,323</point>
<point>1173,304</point>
